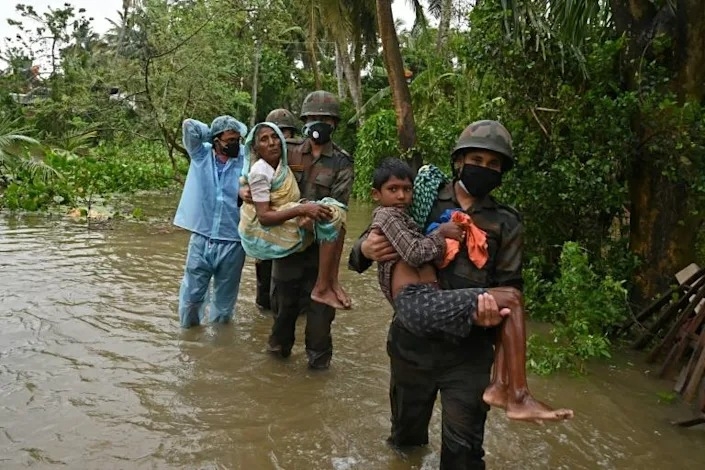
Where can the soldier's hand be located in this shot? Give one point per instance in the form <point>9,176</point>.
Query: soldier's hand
<point>376,247</point>
<point>451,230</point>
<point>315,211</point>
<point>507,297</point>
<point>488,313</point>
<point>245,194</point>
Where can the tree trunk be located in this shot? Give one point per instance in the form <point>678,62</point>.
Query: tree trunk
<point>352,76</point>
<point>255,83</point>
<point>662,228</point>
<point>311,41</point>
<point>339,74</point>
<point>401,97</point>
<point>444,24</point>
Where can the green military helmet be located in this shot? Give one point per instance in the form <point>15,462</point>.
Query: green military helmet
<point>320,103</point>
<point>487,135</point>
<point>283,118</point>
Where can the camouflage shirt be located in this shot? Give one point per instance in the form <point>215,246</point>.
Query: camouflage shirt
<point>505,244</point>
<point>505,238</point>
<point>330,175</point>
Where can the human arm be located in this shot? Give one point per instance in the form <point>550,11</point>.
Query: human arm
<point>268,216</point>
<point>494,305</point>
<point>371,246</point>
<point>357,261</point>
<point>260,180</point>
<point>244,194</point>
<point>195,135</point>
<point>411,245</point>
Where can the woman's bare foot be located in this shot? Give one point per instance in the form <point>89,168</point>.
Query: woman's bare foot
<point>496,395</point>
<point>327,297</point>
<point>343,296</point>
<point>529,409</point>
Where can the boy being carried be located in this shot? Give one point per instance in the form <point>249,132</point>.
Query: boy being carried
<point>411,285</point>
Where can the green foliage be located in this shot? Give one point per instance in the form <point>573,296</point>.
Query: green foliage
<point>100,174</point>
<point>667,398</point>
<point>582,305</point>
<point>15,156</point>
<point>377,139</point>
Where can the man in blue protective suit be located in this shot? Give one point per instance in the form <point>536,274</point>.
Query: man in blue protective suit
<point>209,210</point>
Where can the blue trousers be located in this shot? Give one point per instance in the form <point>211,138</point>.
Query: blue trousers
<point>206,259</point>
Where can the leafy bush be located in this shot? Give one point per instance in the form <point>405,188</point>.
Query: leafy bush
<point>105,170</point>
<point>377,139</point>
<point>582,306</point>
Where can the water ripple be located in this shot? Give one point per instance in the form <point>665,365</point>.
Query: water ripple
<point>95,373</point>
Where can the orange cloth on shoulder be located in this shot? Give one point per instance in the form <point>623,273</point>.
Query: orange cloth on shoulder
<point>475,239</point>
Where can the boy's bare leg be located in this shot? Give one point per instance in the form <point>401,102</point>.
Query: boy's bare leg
<point>520,404</point>
<point>343,296</point>
<point>323,292</point>
<point>496,392</point>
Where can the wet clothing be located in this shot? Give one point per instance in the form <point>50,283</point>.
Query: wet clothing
<point>209,210</point>
<point>263,269</point>
<point>414,387</point>
<point>293,277</point>
<point>207,258</point>
<point>208,204</point>
<point>460,371</point>
<point>279,188</point>
<point>292,282</point>
<point>429,312</point>
<point>407,239</point>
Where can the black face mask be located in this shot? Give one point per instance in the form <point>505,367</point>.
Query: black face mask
<point>478,180</point>
<point>232,150</point>
<point>318,131</point>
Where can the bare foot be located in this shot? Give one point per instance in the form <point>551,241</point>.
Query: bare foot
<point>326,297</point>
<point>496,395</point>
<point>530,409</point>
<point>343,296</point>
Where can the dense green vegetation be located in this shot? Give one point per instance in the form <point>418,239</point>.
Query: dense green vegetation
<point>606,113</point>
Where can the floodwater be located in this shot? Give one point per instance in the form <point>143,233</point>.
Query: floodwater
<point>95,373</point>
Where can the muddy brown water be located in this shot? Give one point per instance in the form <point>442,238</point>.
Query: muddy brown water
<point>95,373</point>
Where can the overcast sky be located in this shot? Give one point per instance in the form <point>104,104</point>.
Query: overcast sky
<point>100,10</point>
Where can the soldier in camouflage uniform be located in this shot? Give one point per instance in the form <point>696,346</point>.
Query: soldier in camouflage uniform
<point>321,170</point>
<point>287,122</point>
<point>420,367</point>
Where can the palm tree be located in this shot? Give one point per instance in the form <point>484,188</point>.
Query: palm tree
<point>663,226</point>
<point>316,17</point>
<point>401,97</point>
<point>443,10</point>
<point>12,141</point>
<point>350,27</point>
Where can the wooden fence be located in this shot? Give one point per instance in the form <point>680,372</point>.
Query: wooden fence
<point>673,327</point>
